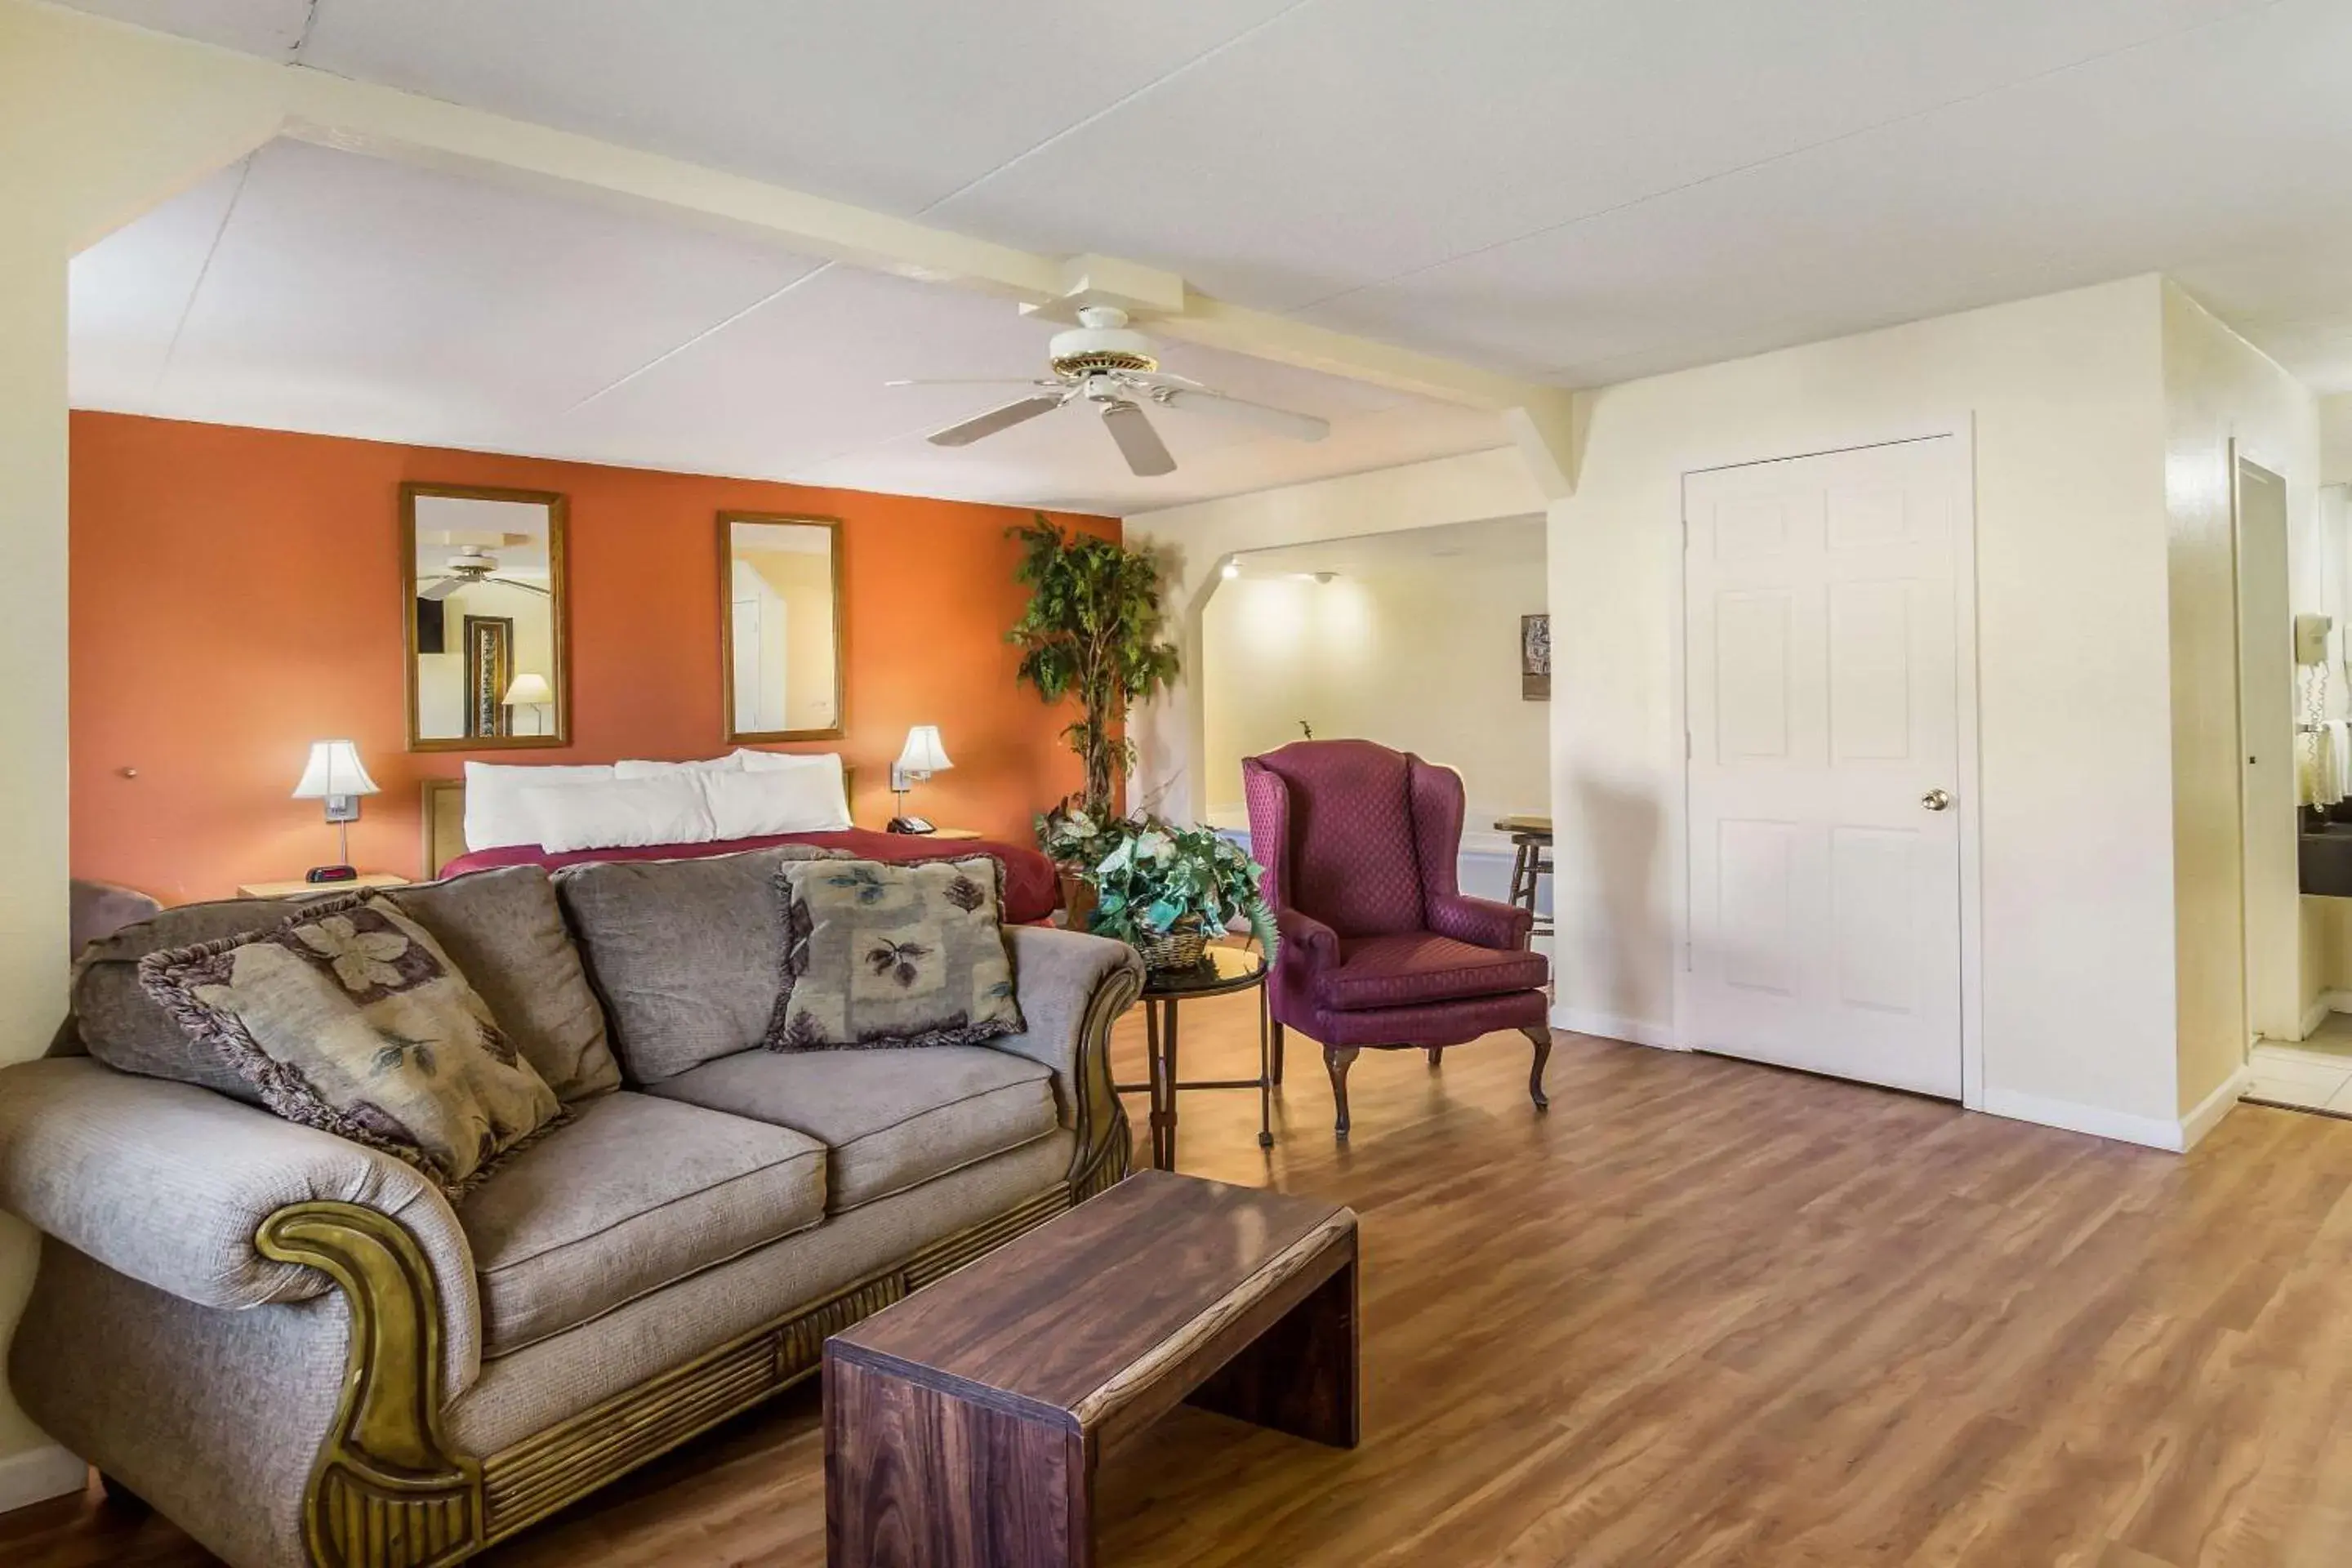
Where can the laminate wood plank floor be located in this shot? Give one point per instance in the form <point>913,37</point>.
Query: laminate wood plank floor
<point>1700,1314</point>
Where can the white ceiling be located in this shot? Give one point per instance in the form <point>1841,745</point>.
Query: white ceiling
<point>1577,190</point>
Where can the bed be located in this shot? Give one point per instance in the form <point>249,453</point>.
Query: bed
<point>1032,886</point>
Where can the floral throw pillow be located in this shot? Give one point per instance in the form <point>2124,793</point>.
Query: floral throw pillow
<point>347,1017</point>
<point>880,954</point>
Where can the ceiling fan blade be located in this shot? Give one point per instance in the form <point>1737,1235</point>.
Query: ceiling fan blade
<point>519,582</point>
<point>995,419</point>
<point>1138,441</point>
<point>439,588</point>
<point>992,381</point>
<point>1281,421</point>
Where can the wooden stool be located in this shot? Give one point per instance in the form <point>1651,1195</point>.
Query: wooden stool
<point>1531,859</point>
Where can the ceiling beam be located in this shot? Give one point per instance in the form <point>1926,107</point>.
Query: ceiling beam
<point>386,122</point>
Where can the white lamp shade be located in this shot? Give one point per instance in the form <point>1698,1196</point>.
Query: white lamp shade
<point>333,770</point>
<point>924,754</point>
<point>528,689</point>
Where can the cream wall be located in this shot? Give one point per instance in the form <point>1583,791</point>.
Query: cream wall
<point>2335,439</point>
<point>86,144</point>
<point>1170,733</point>
<point>2220,388</point>
<point>1422,656</point>
<point>2064,400</point>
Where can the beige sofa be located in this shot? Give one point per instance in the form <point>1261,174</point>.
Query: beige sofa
<point>300,1351</point>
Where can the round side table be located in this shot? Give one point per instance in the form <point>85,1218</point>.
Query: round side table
<point>1221,972</point>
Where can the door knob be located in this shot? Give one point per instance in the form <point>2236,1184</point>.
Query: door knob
<point>1936,800</point>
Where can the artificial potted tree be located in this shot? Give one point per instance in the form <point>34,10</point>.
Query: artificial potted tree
<point>1091,632</point>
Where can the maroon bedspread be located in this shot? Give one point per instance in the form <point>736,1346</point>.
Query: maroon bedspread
<point>1031,887</point>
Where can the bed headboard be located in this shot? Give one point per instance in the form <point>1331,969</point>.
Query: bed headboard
<point>445,817</point>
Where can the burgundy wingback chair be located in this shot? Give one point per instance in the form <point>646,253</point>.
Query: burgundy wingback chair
<point>1380,949</point>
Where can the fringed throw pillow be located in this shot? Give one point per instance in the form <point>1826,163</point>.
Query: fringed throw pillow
<point>880,954</point>
<point>347,1017</point>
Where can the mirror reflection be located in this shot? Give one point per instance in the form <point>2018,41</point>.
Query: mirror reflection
<point>486,617</point>
<point>780,582</point>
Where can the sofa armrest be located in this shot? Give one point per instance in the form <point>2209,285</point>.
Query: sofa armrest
<point>172,1184</point>
<point>1071,988</point>
<point>1481,922</point>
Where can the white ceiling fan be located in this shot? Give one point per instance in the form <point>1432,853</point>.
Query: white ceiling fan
<point>1104,362</point>
<point>471,561</point>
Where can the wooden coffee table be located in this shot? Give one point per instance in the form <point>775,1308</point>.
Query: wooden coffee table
<point>962,1425</point>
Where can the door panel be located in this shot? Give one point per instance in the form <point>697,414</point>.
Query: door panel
<point>1823,710</point>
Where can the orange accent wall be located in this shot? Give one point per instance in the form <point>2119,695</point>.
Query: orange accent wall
<point>236,594</point>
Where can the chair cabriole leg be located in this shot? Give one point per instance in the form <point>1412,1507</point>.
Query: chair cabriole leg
<point>1541,1035</point>
<point>1336,1061</point>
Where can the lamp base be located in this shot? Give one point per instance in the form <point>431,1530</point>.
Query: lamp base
<point>332,874</point>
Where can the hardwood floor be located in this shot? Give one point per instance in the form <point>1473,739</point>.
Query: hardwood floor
<point>1701,1313</point>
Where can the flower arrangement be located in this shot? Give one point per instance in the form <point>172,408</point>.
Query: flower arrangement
<point>1153,879</point>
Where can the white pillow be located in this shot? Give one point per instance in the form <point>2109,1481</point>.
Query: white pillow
<point>732,763</point>
<point>495,816</point>
<point>754,804</point>
<point>784,761</point>
<point>621,813</point>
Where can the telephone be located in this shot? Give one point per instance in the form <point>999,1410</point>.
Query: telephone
<point>2311,637</point>
<point>909,824</point>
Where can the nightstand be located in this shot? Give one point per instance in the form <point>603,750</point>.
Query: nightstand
<point>295,888</point>
<point>957,833</point>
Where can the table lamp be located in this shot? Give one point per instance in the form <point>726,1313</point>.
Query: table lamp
<point>922,757</point>
<point>335,776</point>
<point>530,690</point>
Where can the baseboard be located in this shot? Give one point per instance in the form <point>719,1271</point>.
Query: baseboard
<point>38,1474</point>
<point>2149,1131</point>
<point>1611,1027</point>
<point>2207,1112</point>
<point>2334,1002</point>
<point>2317,1014</point>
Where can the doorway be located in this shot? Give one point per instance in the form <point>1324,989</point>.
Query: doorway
<point>1830,744</point>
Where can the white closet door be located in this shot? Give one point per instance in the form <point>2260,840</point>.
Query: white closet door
<point>1821,663</point>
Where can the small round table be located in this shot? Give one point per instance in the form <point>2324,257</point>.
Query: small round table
<point>1221,972</point>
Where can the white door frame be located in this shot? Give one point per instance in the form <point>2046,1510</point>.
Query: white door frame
<point>1967,787</point>
<point>2240,458</point>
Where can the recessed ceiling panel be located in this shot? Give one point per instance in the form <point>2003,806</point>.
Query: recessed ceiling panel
<point>322,290</point>
<point>350,295</point>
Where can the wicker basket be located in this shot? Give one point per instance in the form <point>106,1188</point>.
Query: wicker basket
<point>1181,948</point>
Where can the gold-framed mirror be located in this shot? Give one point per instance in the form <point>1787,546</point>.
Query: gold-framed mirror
<point>780,620</point>
<point>486,618</point>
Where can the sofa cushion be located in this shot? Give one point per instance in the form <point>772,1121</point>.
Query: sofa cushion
<point>892,1117</point>
<point>127,1029</point>
<point>893,955</point>
<point>634,1194</point>
<point>687,954</point>
<point>504,929</point>
<point>349,1018</point>
<point>1419,966</point>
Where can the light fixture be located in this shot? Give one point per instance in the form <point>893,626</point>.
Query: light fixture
<point>922,756</point>
<point>1232,568</point>
<point>530,690</point>
<point>334,774</point>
